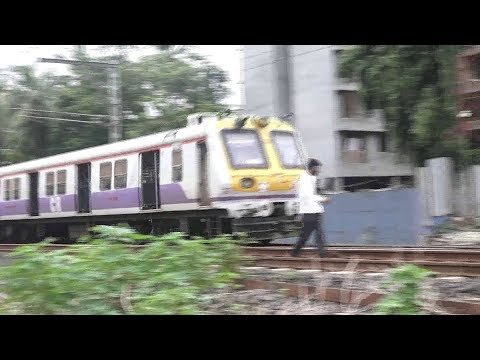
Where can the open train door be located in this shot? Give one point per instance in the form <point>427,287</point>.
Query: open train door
<point>150,170</point>
<point>204,194</point>
<point>33,194</point>
<point>83,188</point>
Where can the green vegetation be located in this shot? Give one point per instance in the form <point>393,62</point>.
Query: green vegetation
<point>415,87</point>
<point>404,287</point>
<point>169,275</point>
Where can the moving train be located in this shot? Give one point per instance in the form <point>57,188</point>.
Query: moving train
<point>215,175</point>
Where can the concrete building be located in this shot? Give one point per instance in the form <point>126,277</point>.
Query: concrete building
<point>351,142</point>
<point>468,93</point>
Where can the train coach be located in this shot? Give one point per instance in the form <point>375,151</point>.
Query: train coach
<point>216,175</point>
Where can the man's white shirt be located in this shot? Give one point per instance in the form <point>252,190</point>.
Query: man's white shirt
<point>309,201</point>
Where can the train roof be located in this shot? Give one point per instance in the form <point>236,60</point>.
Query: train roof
<point>196,127</point>
<point>120,147</point>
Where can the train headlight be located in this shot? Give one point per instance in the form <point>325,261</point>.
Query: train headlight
<point>246,183</point>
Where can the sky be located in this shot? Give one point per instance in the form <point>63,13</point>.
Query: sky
<point>227,57</point>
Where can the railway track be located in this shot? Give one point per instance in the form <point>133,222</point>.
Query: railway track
<point>457,261</point>
<point>351,296</point>
<point>376,253</point>
<point>447,261</point>
<point>450,261</point>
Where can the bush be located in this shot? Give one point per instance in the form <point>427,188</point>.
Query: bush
<point>444,228</point>
<point>404,284</point>
<point>105,275</point>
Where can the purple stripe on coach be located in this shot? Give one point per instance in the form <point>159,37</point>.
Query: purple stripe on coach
<point>67,204</point>
<point>115,199</point>
<point>14,207</point>
<point>173,194</point>
<point>170,194</point>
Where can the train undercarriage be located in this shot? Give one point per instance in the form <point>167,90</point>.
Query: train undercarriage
<point>202,223</point>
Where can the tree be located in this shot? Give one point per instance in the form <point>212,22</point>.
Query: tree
<point>124,50</point>
<point>30,135</point>
<point>414,85</point>
<point>3,130</point>
<point>173,86</point>
<point>158,92</point>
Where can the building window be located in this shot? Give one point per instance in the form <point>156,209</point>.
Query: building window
<point>105,176</point>
<point>177,168</point>
<point>354,149</point>
<point>61,182</point>
<point>120,174</point>
<point>475,67</point>
<point>16,188</point>
<point>6,190</point>
<point>472,105</point>
<point>354,144</point>
<point>350,104</point>
<point>50,184</point>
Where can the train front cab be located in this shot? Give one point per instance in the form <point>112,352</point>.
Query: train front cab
<point>265,159</point>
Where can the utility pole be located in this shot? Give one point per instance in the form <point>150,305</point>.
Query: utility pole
<point>281,68</point>
<point>115,126</point>
<point>115,133</point>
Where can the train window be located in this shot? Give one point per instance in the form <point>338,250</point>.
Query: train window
<point>50,184</point>
<point>16,188</point>
<point>105,176</point>
<point>120,174</point>
<point>61,182</point>
<point>177,165</point>
<point>12,189</point>
<point>6,190</point>
<point>287,149</point>
<point>244,149</point>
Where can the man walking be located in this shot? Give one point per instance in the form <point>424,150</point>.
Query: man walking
<point>311,208</point>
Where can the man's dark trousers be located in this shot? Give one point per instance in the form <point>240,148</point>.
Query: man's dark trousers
<point>311,222</point>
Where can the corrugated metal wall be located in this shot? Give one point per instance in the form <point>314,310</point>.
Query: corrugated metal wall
<point>390,217</point>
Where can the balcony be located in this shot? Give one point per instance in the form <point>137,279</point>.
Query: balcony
<point>468,87</point>
<point>374,164</point>
<point>370,122</point>
<point>471,51</point>
<point>346,85</point>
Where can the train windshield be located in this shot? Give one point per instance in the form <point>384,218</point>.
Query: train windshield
<point>244,149</point>
<point>287,149</point>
